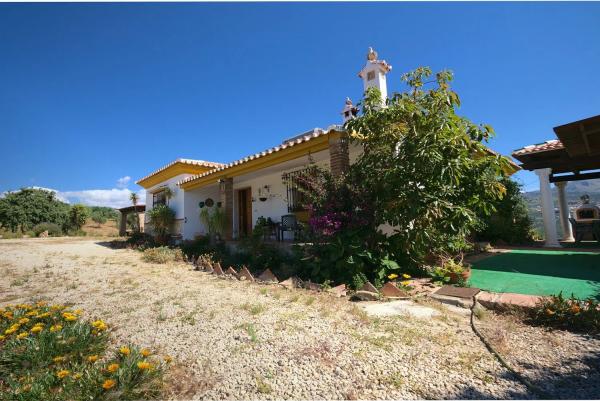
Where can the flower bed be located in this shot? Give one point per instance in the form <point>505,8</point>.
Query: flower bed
<point>50,353</point>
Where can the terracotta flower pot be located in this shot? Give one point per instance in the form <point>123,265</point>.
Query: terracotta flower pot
<point>455,277</point>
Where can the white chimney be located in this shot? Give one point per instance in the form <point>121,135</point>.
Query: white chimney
<point>349,111</point>
<point>374,72</point>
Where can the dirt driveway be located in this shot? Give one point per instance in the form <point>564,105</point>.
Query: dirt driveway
<point>233,340</point>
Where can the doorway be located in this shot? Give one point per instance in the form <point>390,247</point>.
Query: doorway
<point>244,203</point>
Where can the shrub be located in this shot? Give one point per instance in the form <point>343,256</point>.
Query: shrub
<point>53,229</point>
<point>510,222</point>
<point>161,219</point>
<point>78,215</point>
<point>568,313</point>
<point>50,353</point>
<point>76,233</point>
<point>163,254</point>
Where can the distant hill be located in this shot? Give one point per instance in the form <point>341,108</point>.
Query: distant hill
<point>575,190</point>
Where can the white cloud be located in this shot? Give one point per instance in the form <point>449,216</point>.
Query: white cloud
<point>123,182</point>
<point>115,197</point>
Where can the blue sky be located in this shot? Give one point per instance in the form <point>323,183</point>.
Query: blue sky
<point>94,93</point>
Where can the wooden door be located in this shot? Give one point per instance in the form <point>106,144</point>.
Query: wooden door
<point>244,211</point>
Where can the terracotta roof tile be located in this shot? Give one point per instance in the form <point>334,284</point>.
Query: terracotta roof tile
<point>184,161</point>
<point>553,144</point>
<point>317,132</point>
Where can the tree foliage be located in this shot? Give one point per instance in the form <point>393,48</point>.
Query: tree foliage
<point>78,215</point>
<point>425,173</point>
<point>510,222</point>
<point>28,207</point>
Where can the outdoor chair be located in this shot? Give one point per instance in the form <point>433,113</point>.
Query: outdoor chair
<point>288,223</point>
<point>581,229</point>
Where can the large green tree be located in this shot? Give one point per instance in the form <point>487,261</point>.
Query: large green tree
<point>27,207</point>
<point>425,173</point>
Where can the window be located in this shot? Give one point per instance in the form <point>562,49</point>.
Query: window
<point>370,75</point>
<point>295,197</point>
<point>159,198</point>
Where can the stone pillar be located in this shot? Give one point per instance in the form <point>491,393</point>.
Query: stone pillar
<point>339,156</point>
<point>563,207</point>
<point>547,207</point>
<point>226,194</point>
<point>123,225</point>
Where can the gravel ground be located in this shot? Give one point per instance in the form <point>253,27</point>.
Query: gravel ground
<point>234,340</point>
<point>563,364</point>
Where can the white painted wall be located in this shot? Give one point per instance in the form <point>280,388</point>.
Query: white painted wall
<point>192,225</point>
<point>175,203</point>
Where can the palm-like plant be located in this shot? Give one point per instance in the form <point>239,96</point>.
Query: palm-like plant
<point>133,197</point>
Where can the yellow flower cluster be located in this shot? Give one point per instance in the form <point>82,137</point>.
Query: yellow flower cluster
<point>99,325</point>
<point>56,327</point>
<point>108,384</point>
<point>69,317</point>
<point>92,358</point>
<point>37,328</point>
<point>61,374</point>
<point>143,365</point>
<point>113,367</point>
<point>124,351</point>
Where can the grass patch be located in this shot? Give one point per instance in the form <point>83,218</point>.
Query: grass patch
<point>19,281</point>
<point>262,386</point>
<point>250,330</point>
<point>254,309</point>
<point>309,301</point>
<point>50,353</point>
<point>163,254</point>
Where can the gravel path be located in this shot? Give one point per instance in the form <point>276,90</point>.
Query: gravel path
<point>233,340</point>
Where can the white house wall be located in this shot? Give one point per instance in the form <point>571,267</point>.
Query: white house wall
<point>175,203</point>
<point>192,226</point>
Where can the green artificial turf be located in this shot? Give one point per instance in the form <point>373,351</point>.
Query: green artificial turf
<point>538,272</point>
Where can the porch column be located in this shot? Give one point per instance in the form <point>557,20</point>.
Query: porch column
<point>339,157</point>
<point>123,225</point>
<point>226,194</point>
<point>547,208</point>
<point>564,212</point>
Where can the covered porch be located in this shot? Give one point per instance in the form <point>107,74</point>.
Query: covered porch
<point>574,156</point>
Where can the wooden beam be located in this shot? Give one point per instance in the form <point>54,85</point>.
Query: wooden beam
<point>574,177</point>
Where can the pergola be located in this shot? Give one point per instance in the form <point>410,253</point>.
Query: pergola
<point>125,211</point>
<point>574,156</point>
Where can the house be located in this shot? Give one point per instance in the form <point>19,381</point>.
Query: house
<point>253,187</point>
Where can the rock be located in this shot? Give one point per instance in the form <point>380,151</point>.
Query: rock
<point>389,290</point>
<point>218,270</point>
<point>339,291</point>
<point>268,277</point>
<point>43,234</point>
<point>365,296</point>
<point>245,274</point>
<point>291,283</point>
<point>231,271</point>
<point>369,287</point>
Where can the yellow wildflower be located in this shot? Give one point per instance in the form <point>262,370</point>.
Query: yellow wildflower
<point>69,317</point>
<point>22,335</point>
<point>113,367</point>
<point>145,352</point>
<point>78,311</point>
<point>32,313</point>
<point>23,320</point>
<point>56,327</point>
<point>59,359</point>
<point>8,315</point>
<point>405,283</point>
<point>37,329</point>
<point>10,330</point>
<point>2,338</point>
<point>393,276</point>
<point>43,315</point>
<point>168,359</point>
<point>61,374</point>
<point>92,358</point>
<point>41,303</point>
<point>99,324</point>
<point>406,275</point>
<point>125,351</point>
<point>144,365</point>
<point>108,384</point>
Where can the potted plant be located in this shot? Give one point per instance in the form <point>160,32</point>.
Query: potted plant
<point>457,272</point>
